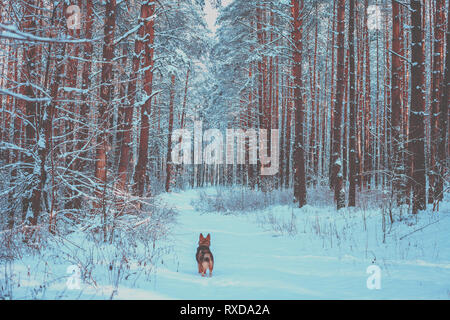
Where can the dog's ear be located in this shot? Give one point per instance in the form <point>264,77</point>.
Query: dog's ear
<point>201,236</point>
<point>208,237</point>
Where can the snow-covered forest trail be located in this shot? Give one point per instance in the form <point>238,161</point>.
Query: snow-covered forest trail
<point>252,262</point>
<point>274,252</point>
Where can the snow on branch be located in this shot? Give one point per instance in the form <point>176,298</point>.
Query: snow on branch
<point>11,32</point>
<point>23,97</point>
<point>401,57</point>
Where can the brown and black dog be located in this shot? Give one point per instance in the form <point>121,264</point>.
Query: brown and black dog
<point>204,256</point>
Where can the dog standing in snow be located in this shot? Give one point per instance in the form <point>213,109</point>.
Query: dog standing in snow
<point>204,256</point>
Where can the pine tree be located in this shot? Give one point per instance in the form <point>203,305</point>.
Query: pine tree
<point>417,112</point>
<point>299,156</point>
<point>352,133</point>
<point>337,175</point>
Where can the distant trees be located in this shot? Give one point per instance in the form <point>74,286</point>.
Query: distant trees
<point>362,85</point>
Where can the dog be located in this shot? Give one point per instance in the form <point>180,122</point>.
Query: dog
<point>204,256</point>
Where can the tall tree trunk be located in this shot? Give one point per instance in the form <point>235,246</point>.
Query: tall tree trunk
<point>352,116</point>
<point>299,156</point>
<point>141,174</point>
<point>397,103</point>
<point>333,95</point>
<point>48,122</point>
<point>83,123</point>
<point>106,92</point>
<point>368,154</point>
<point>73,51</point>
<point>29,109</point>
<point>289,111</point>
<point>417,127</point>
<point>131,93</point>
<point>85,85</point>
<point>314,114</point>
<point>337,176</point>
<point>169,142</point>
<point>443,122</point>
<point>436,93</point>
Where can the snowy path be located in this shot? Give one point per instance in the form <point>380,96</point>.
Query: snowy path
<point>253,263</point>
<point>326,259</point>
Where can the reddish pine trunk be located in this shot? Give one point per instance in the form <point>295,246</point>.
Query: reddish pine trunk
<point>289,111</point>
<point>249,124</point>
<point>48,122</point>
<point>72,75</point>
<point>352,107</point>
<point>169,142</point>
<point>123,102</point>
<point>106,91</point>
<point>141,174</point>
<point>29,76</point>
<point>443,124</point>
<point>360,100</point>
<point>83,131</point>
<point>386,155</point>
<point>299,156</point>
<point>315,128</point>
<point>186,87</point>
<point>283,132</point>
<point>128,116</point>
<point>368,154</point>
<point>345,130</point>
<point>180,168</point>
<point>264,95</point>
<point>314,107</point>
<point>332,97</point>
<point>312,125</point>
<point>13,156</point>
<point>436,94</point>
<point>417,128</point>
<point>396,102</point>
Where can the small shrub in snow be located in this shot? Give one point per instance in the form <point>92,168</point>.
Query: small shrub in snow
<point>37,269</point>
<point>232,200</point>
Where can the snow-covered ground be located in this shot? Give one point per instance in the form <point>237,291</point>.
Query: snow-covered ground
<point>278,253</point>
